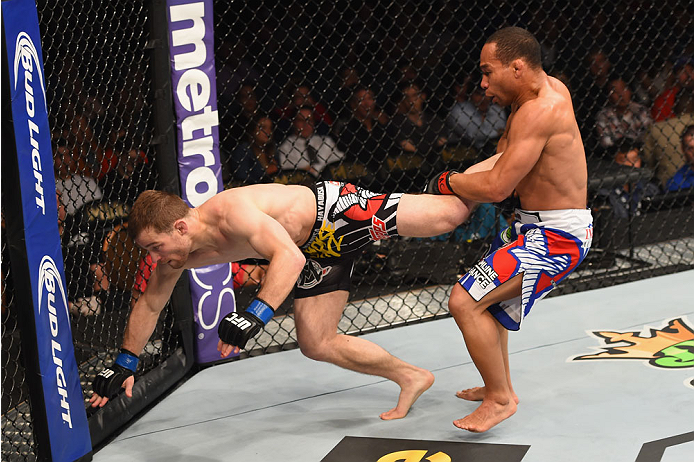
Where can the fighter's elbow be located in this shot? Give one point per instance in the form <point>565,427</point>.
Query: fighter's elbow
<point>301,260</point>
<point>498,193</point>
<point>298,260</point>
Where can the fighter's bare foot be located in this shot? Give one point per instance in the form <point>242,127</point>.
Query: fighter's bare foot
<point>471,394</point>
<point>476,394</point>
<point>417,384</point>
<point>488,414</point>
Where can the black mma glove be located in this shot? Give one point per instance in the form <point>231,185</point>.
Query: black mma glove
<point>237,328</point>
<point>441,183</point>
<point>109,381</point>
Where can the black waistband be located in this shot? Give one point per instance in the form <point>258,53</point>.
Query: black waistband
<point>318,191</point>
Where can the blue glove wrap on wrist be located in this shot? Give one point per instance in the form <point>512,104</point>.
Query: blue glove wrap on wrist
<point>261,310</point>
<point>127,361</point>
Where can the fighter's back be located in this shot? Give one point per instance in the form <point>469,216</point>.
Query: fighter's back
<point>293,206</point>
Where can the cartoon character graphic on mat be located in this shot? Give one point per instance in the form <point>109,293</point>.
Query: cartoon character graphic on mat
<point>670,347</point>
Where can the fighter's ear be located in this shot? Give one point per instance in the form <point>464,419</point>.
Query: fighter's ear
<point>518,66</point>
<point>181,226</point>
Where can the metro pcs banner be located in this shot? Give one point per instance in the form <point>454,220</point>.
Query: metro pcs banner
<point>191,41</point>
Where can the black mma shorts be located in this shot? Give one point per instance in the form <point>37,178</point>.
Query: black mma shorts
<point>347,219</point>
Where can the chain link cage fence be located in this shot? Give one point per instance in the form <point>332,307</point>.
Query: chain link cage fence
<point>380,94</point>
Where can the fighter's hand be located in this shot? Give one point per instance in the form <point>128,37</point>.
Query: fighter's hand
<point>109,381</point>
<point>236,329</point>
<point>441,183</point>
<point>99,401</point>
<point>225,349</point>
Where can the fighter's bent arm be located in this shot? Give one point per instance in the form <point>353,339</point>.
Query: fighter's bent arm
<point>271,240</point>
<point>485,165</point>
<point>141,323</point>
<point>144,315</point>
<point>525,141</point>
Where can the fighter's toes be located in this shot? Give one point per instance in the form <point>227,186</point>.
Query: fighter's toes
<point>471,394</point>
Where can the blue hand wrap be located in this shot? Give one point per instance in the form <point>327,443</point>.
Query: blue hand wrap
<point>127,361</point>
<point>262,310</point>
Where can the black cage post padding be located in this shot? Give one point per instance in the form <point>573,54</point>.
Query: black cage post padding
<point>167,158</point>
<point>149,387</point>
<point>164,141</point>
<point>121,410</point>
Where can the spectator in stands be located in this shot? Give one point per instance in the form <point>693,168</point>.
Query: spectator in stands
<point>475,120</point>
<point>367,137</point>
<point>684,177</point>
<point>420,137</point>
<point>131,176</point>
<point>679,98</point>
<point>418,131</point>
<point>77,116</point>
<point>593,89</point>
<point>75,134</point>
<point>300,96</point>
<point>649,83</point>
<point>662,150</point>
<point>349,78</point>
<point>655,75</point>
<point>389,94</point>
<point>628,154</point>
<point>622,118</point>
<point>238,118</point>
<point>304,149</point>
<point>84,271</point>
<point>256,160</point>
<point>233,69</point>
<point>77,189</point>
<point>626,199</point>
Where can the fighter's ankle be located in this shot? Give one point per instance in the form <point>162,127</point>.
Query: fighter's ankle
<point>501,399</point>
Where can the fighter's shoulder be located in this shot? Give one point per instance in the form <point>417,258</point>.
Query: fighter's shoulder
<point>535,113</point>
<point>232,202</point>
<point>239,193</point>
<point>549,98</point>
<point>235,210</point>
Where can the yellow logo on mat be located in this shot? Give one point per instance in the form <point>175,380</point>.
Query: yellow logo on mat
<point>671,347</point>
<point>414,456</point>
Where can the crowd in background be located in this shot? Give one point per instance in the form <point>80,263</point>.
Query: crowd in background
<point>339,96</point>
<point>390,105</point>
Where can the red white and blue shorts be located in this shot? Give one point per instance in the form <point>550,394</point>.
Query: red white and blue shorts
<point>544,246</point>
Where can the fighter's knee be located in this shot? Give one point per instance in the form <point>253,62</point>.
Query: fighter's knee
<point>460,303</point>
<point>313,351</point>
<point>458,212</point>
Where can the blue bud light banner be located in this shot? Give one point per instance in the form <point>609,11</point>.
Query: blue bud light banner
<point>65,409</point>
<point>191,47</point>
